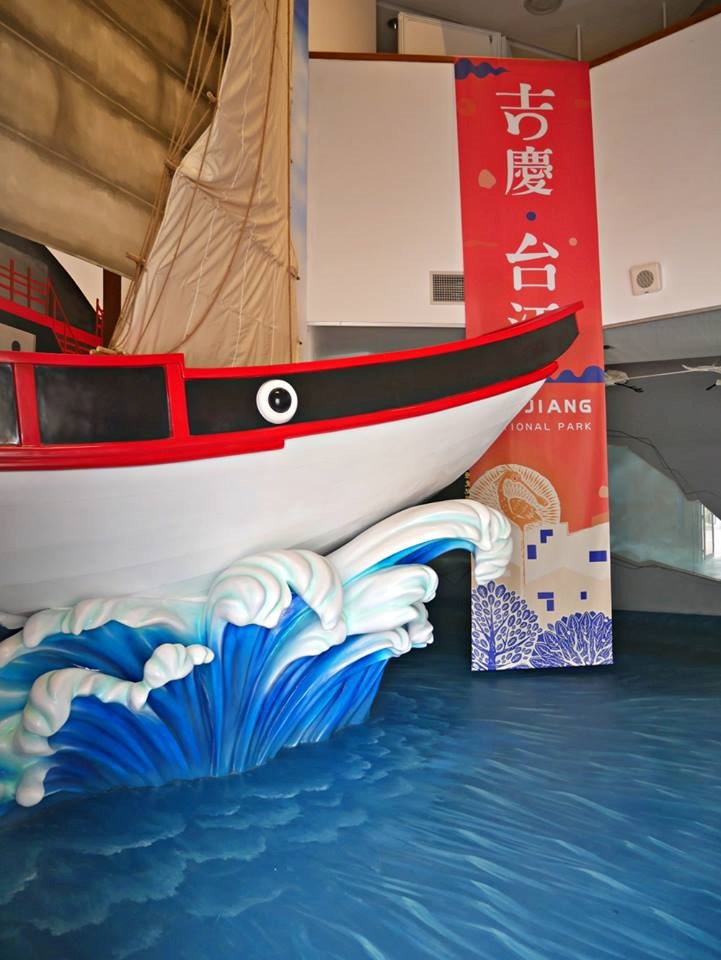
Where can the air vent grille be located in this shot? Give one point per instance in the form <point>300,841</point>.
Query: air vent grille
<point>447,288</point>
<point>645,278</point>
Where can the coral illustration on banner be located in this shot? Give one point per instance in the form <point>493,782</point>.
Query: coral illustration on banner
<point>530,245</point>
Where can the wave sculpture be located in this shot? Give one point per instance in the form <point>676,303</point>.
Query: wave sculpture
<point>287,647</point>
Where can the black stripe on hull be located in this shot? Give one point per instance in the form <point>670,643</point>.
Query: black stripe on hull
<point>227,404</point>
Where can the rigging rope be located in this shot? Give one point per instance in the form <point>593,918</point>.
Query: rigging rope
<point>292,348</point>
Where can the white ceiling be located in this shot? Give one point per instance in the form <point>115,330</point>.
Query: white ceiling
<point>606,24</point>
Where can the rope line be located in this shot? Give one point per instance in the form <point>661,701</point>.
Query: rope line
<point>292,351</point>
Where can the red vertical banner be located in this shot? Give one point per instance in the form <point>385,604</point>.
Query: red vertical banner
<point>530,245</point>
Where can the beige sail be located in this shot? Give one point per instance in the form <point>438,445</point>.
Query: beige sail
<point>218,281</point>
<point>89,94</point>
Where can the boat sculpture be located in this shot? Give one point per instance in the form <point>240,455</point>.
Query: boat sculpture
<point>128,475</point>
<point>207,552</point>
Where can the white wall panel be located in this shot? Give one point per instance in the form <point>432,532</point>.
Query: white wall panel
<point>384,208</point>
<point>383,192</point>
<point>657,132</point>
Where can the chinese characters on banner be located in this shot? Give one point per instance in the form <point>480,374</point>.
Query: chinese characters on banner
<point>530,246</point>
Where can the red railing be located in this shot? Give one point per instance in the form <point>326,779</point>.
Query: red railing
<point>39,296</point>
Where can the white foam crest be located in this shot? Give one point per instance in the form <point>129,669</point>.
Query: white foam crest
<point>10,621</point>
<point>9,759</point>
<point>177,615</point>
<point>31,786</point>
<point>395,642</point>
<point>387,598</point>
<point>258,590</point>
<point>25,736</point>
<point>52,694</point>
<point>416,632</point>
<point>173,661</point>
<point>310,642</point>
<point>487,529</point>
<point>377,604</point>
<point>420,629</point>
<point>487,567</point>
<point>10,648</point>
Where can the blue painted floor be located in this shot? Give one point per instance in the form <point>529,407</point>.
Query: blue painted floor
<point>571,814</point>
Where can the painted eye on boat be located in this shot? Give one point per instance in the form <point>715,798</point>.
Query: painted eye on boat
<point>277,401</point>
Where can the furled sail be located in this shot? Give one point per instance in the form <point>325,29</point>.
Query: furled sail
<point>89,92</point>
<point>218,281</point>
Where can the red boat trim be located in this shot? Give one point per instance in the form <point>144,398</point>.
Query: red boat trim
<point>26,402</point>
<point>189,373</point>
<point>182,447</point>
<point>60,329</point>
<point>177,404</point>
<point>94,360</point>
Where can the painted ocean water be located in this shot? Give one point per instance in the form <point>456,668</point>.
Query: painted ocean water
<point>545,815</point>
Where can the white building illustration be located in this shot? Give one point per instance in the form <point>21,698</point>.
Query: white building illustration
<point>558,572</point>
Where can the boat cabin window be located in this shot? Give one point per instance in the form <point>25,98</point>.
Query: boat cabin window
<point>101,404</point>
<point>8,409</point>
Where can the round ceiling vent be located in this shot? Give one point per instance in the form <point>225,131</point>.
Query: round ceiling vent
<point>541,7</point>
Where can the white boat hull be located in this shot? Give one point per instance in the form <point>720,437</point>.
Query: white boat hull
<point>67,535</point>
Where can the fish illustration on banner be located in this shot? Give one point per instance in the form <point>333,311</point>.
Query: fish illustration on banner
<point>530,245</point>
